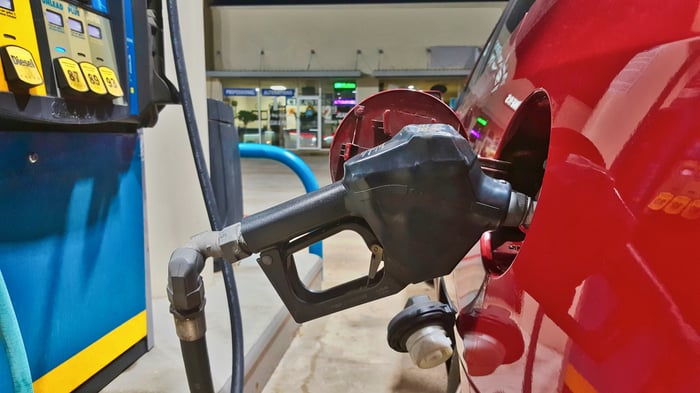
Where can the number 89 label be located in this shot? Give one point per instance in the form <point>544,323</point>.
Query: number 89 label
<point>93,77</point>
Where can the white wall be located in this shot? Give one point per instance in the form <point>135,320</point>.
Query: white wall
<point>174,205</point>
<point>288,33</point>
<point>215,90</point>
<point>365,88</point>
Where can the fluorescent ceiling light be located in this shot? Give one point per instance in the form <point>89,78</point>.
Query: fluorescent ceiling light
<point>278,87</point>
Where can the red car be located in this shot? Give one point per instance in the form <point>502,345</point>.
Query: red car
<point>593,108</point>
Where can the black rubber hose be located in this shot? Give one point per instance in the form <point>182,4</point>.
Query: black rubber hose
<point>198,374</point>
<point>234,310</point>
<point>237,373</point>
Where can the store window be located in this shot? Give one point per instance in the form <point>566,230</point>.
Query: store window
<point>338,103</point>
<point>275,97</point>
<point>243,98</point>
<point>295,114</point>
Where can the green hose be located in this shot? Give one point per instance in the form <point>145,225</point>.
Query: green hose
<point>12,341</point>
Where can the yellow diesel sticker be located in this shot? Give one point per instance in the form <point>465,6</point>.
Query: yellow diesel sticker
<point>111,81</point>
<point>692,212</point>
<point>660,201</point>
<point>93,77</point>
<point>677,204</point>
<point>72,76</point>
<point>21,67</point>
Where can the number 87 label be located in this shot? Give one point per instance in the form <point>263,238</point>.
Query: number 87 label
<point>72,75</point>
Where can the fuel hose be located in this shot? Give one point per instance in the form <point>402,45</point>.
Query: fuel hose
<point>196,359</point>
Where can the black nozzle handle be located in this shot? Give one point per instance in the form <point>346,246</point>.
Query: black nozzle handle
<point>284,222</point>
<point>304,303</point>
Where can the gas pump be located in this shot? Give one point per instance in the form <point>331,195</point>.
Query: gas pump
<point>78,81</point>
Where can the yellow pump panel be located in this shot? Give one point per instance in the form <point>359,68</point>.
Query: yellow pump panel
<point>17,30</point>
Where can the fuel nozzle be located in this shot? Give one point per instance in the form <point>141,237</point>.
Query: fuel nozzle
<point>420,201</point>
<point>421,198</point>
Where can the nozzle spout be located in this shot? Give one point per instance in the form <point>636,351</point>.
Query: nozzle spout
<point>521,209</point>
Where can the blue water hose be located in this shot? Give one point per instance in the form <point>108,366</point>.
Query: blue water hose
<point>12,341</point>
<point>291,160</point>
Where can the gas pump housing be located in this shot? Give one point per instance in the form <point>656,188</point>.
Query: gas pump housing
<point>78,81</point>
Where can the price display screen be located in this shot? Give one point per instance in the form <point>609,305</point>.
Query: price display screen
<point>75,25</point>
<point>7,4</point>
<point>94,31</point>
<point>54,18</point>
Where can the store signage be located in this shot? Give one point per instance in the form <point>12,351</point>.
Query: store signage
<point>346,101</point>
<point>238,92</point>
<point>278,93</point>
<point>344,85</point>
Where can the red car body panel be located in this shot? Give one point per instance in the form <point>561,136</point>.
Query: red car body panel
<point>604,293</point>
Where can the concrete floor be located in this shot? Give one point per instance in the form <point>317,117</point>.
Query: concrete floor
<point>347,351</point>
<point>344,352</point>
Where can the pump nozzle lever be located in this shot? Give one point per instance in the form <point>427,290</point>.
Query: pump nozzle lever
<point>375,260</point>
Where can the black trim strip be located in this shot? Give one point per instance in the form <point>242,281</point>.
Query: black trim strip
<point>98,381</point>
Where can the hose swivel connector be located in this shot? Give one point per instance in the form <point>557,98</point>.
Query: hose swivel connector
<point>185,285</point>
<point>186,293</point>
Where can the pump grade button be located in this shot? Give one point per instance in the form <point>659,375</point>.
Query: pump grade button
<point>111,82</point>
<point>20,68</point>
<point>94,80</point>
<point>70,77</point>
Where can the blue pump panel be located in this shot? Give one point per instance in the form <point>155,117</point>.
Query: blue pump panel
<point>71,240</point>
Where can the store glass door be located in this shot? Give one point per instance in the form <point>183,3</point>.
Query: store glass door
<point>308,133</point>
